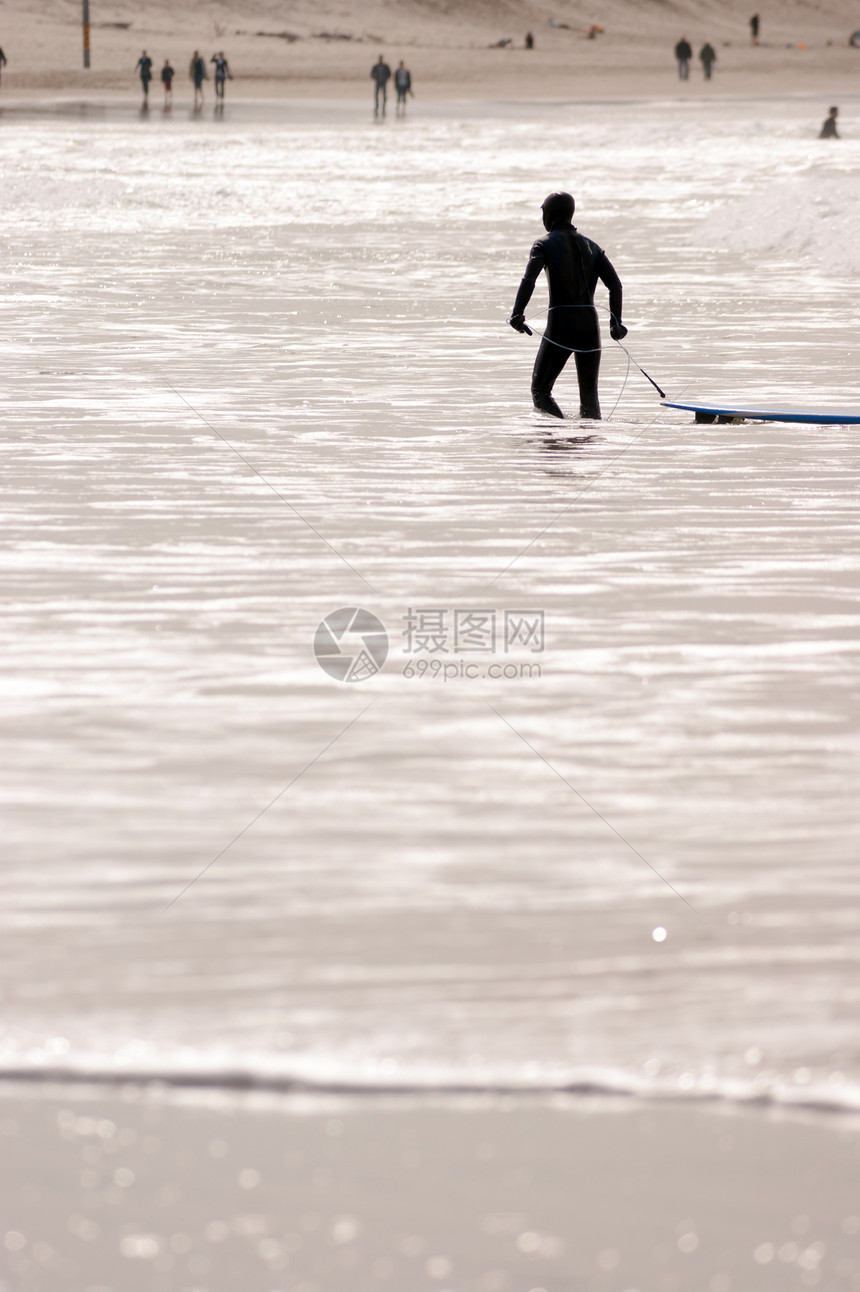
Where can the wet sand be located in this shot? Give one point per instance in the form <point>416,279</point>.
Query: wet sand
<point>216,1192</point>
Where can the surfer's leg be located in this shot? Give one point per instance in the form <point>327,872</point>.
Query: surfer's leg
<point>587,345</point>
<point>548,364</point>
<point>587,368</point>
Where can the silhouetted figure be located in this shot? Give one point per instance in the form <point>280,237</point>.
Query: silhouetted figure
<point>573,266</point>
<point>144,66</point>
<point>403,86</point>
<point>754,29</point>
<point>167,75</point>
<point>197,74</point>
<point>828,130</point>
<point>222,73</point>
<point>381,75</point>
<point>708,56</point>
<point>530,40</point>
<point>683,53</point>
<point>2,60</point>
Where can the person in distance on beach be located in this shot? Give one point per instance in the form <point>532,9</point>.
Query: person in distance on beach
<point>754,29</point>
<point>144,66</point>
<point>573,265</point>
<point>380,74</point>
<point>403,86</point>
<point>197,74</point>
<point>683,53</point>
<point>2,60</point>
<point>167,82</point>
<point>708,56</point>
<point>222,73</point>
<point>828,130</point>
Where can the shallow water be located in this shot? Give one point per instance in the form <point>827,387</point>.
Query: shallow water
<point>257,370</point>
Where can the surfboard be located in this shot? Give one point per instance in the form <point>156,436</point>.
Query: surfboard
<point>722,413</point>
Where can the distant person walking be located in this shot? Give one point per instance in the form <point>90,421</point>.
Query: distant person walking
<point>683,53</point>
<point>530,40</point>
<point>222,73</point>
<point>381,75</point>
<point>2,60</point>
<point>144,66</point>
<point>754,29</point>
<point>197,74</point>
<point>828,130</point>
<point>403,86</point>
<point>708,56</point>
<point>167,75</point>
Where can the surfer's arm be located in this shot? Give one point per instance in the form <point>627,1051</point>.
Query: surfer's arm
<point>607,275</point>
<point>537,262</point>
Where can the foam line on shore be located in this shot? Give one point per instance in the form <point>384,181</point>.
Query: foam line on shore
<point>773,1093</point>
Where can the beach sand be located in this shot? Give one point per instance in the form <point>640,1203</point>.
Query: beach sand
<point>148,1191</point>
<point>447,46</point>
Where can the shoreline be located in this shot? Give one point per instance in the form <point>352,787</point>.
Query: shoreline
<point>491,1196</point>
<point>237,1084</point>
<point>60,102</point>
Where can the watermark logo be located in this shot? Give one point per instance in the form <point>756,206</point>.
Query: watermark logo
<point>438,643</point>
<point>351,644</point>
<point>435,630</point>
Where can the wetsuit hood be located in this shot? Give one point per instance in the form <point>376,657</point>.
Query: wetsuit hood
<point>557,209</point>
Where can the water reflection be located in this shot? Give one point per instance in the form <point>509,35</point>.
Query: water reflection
<point>563,443</point>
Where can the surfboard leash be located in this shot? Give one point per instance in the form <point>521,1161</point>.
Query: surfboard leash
<point>572,350</point>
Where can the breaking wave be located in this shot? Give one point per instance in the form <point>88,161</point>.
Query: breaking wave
<point>810,219</point>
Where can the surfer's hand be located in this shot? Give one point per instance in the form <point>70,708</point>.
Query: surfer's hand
<point>518,323</point>
<point>617,330</point>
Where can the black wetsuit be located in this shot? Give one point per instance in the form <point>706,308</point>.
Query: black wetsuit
<point>573,265</point>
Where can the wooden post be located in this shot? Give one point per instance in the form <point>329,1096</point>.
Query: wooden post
<point>86,21</point>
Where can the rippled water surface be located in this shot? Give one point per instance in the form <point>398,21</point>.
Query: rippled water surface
<point>257,369</point>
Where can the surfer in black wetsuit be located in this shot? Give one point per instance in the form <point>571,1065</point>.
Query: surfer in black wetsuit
<point>573,265</point>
